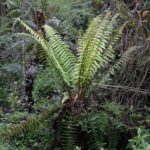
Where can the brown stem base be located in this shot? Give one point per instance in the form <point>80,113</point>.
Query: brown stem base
<point>76,107</point>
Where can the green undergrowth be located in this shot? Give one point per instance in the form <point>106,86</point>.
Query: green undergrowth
<point>39,139</point>
<point>103,127</point>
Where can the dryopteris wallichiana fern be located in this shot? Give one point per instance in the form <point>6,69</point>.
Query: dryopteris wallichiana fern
<point>95,50</point>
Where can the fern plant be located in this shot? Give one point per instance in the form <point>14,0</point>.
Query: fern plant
<point>99,131</point>
<point>75,75</point>
<point>141,141</point>
<point>95,50</point>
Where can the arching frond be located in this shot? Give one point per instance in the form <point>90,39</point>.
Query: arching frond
<point>56,67</point>
<point>111,71</point>
<point>83,51</point>
<point>13,12</point>
<point>96,47</point>
<point>24,35</point>
<point>60,49</point>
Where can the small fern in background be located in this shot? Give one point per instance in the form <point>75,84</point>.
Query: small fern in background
<point>112,107</point>
<point>100,132</point>
<point>96,126</point>
<point>141,141</point>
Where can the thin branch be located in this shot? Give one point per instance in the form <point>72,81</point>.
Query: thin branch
<point>127,88</point>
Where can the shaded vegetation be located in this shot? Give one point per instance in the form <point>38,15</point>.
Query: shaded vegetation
<point>74,75</point>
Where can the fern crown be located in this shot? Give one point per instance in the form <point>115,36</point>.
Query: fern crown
<point>95,50</point>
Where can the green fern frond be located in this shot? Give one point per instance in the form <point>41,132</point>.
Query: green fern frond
<point>96,48</point>
<point>100,55</point>
<point>83,44</point>
<point>99,131</point>
<point>52,61</point>
<point>30,125</point>
<point>24,35</point>
<point>96,127</point>
<point>111,71</point>
<point>13,12</point>
<point>68,130</point>
<point>60,49</point>
<point>115,35</point>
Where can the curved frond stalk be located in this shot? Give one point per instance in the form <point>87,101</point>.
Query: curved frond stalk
<point>30,125</point>
<point>60,49</point>
<point>111,71</point>
<point>52,61</point>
